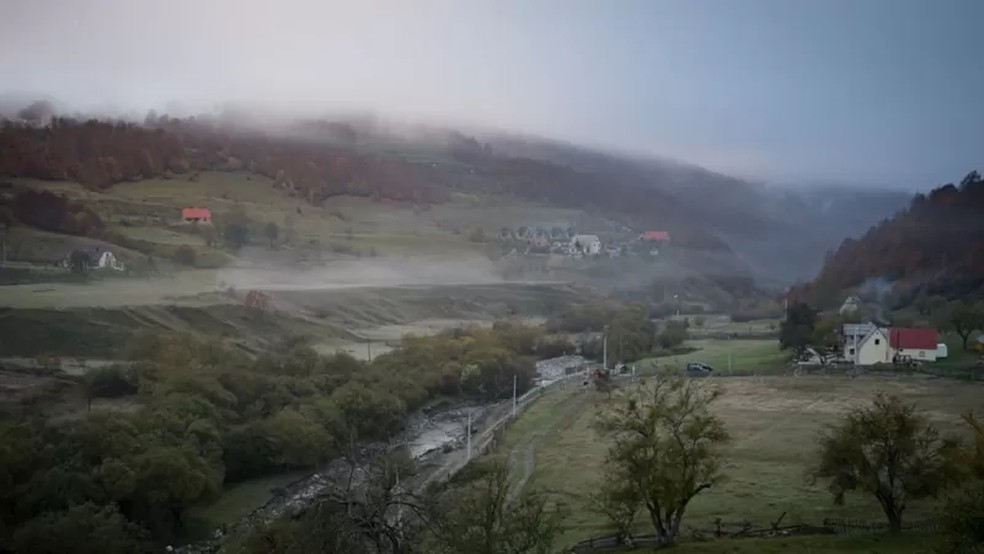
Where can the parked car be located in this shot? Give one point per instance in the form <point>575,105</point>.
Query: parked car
<point>699,369</point>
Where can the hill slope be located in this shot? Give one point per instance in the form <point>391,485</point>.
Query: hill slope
<point>936,246</point>
<point>773,236</point>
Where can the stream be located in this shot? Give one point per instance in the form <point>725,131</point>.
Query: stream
<point>426,436</point>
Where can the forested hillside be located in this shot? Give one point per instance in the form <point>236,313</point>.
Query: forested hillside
<point>773,236</point>
<point>936,246</point>
<point>318,163</point>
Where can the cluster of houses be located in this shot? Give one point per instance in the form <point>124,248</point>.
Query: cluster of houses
<point>93,257</point>
<point>582,245</point>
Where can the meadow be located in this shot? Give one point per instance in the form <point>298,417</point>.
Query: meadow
<point>773,422</point>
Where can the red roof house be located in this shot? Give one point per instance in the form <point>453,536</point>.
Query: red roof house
<point>654,235</point>
<point>903,338</point>
<point>196,215</point>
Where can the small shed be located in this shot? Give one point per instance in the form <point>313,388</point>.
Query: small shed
<point>196,215</point>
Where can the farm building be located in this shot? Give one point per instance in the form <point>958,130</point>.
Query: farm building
<point>866,344</point>
<point>850,306</point>
<point>588,245</point>
<point>94,258</point>
<point>918,344</point>
<point>655,236</point>
<point>196,215</point>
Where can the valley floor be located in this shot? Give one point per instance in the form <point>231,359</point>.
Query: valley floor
<point>773,422</point>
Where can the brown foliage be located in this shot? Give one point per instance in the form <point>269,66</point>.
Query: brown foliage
<point>937,242</point>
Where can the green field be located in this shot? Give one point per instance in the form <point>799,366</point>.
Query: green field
<point>774,423</point>
<point>761,355</point>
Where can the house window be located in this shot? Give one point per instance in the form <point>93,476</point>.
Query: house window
<point>922,353</point>
<point>877,342</point>
<point>850,351</point>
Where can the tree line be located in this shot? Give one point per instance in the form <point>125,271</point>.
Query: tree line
<point>935,246</point>
<point>203,414</point>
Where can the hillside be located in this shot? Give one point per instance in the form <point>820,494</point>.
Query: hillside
<point>934,247</point>
<point>721,227</point>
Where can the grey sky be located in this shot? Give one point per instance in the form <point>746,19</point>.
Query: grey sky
<point>882,91</point>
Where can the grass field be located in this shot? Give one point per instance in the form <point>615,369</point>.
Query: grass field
<point>773,422</point>
<point>745,355</point>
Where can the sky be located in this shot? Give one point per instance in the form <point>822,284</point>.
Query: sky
<point>881,92</point>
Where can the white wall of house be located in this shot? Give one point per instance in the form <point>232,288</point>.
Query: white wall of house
<point>918,355</point>
<point>874,350</point>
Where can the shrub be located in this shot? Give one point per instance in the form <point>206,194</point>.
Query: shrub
<point>185,255</point>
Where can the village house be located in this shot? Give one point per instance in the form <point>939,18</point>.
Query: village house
<point>196,215</point>
<point>867,344</point>
<point>586,245</point>
<point>850,306</point>
<point>95,257</point>
<point>655,236</point>
<point>917,344</point>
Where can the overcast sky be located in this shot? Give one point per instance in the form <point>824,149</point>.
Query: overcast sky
<point>869,91</point>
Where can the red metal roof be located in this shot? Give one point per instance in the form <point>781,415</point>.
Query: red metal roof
<point>655,235</point>
<point>196,213</point>
<point>912,338</point>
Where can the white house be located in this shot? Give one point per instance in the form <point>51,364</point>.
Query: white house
<point>106,260</point>
<point>850,306</point>
<point>873,349</point>
<point>588,245</point>
<point>866,344</point>
<point>852,335</point>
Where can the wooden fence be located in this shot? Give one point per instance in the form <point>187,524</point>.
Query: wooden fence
<point>830,526</point>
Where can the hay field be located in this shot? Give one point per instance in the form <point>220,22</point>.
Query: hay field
<point>774,423</point>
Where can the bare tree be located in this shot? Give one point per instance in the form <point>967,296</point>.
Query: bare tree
<point>665,446</point>
<point>479,519</point>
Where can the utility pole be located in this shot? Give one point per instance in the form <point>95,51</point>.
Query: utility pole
<point>468,437</point>
<point>514,395</point>
<point>369,349</point>
<point>604,349</point>
<point>399,507</point>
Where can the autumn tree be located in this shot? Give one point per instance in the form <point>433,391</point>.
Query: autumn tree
<point>479,518</point>
<point>271,231</point>
<point>665,446</point>
<point>964,318</point>
<point>963,517</point>
<point>674,333</point>
<point>619,502</point>
<point>81,529</point>
<point>887,450</point>
<point>185,255</point>
<point>796,331</point>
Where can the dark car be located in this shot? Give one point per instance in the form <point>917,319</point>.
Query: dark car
<point>699,369</point>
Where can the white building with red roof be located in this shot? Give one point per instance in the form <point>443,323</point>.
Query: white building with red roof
<point>918,344</point>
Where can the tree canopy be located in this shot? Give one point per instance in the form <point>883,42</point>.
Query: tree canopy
<point>887,450</point>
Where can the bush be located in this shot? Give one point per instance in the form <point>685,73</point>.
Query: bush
<point>673,334</point>
<point>185,255</point>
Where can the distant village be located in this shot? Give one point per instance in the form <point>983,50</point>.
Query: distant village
<point>528,241</point>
